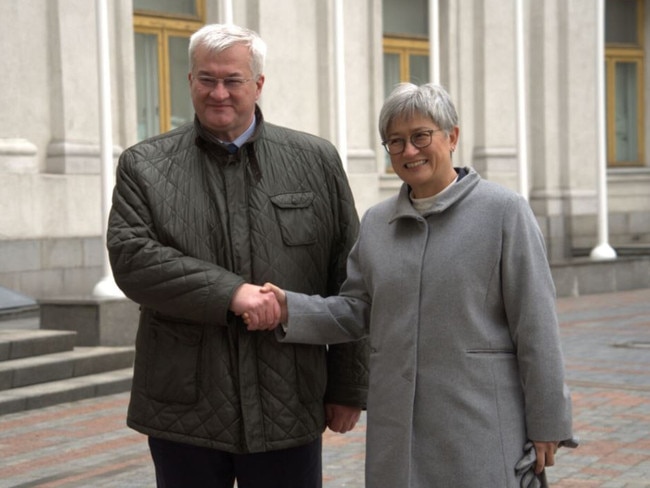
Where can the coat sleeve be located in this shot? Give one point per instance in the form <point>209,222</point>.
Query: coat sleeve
<point>339,322</point>
<point>333,320</point>
<point>529,298</point>
<point>347,364</point>
<point>155,275</point>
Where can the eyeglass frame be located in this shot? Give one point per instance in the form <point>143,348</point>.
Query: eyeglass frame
<point>210,82</point>
<point>430,132</point>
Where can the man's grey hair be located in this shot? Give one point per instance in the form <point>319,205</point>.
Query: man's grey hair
<point>219,37</point>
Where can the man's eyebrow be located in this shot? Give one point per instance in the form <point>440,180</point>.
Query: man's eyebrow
<point>235,74</point>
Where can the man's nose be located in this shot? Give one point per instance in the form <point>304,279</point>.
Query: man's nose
<point>219,90</point>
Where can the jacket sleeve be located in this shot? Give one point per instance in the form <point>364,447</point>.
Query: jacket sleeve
<point>155,275</point>
<point>347,364</point>
<point>529,297</point>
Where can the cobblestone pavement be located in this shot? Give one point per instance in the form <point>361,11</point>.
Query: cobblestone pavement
<point>606,339</point>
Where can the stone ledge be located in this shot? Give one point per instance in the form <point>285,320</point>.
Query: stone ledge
<point>97,321</point>
<point>585,276</point>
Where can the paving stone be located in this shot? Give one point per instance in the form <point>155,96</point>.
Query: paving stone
<point>86,443</point>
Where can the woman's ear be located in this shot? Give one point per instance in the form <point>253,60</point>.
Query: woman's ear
<point>453,137</point>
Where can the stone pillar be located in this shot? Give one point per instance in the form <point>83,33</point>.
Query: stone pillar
<point>562,129</point>
<point>494,129</point>
<point>74,146</point>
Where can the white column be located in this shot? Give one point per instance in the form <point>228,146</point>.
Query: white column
<point>226,6</point>
<point>603,250</point>
<point>522,132</point>
<point>434,41</point>
<point>339,60</point>
<point>106,286</point>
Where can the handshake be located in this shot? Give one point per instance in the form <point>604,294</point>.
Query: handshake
<point>261,307</point>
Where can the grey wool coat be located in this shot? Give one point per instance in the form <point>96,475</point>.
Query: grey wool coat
<point>465,361</point>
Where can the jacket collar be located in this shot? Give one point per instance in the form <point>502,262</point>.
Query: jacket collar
<point>206,141</point>
<point>460,189</point>
<point>207,138</point>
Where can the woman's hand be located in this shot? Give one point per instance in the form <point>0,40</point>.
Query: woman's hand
<point>545,452</point>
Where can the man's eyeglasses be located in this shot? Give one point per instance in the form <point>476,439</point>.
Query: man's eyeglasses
<point>420,140</point>
<point>231,83</point>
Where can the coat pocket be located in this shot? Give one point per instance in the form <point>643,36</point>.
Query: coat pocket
<point>173,361</point>
<point>296,218</point>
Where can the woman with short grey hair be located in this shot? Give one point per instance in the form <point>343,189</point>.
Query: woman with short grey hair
<point>450,281</point>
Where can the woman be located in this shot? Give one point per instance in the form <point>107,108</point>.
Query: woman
<point>450,280</point>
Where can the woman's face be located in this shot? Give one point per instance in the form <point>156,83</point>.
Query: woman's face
<point>427,170</point>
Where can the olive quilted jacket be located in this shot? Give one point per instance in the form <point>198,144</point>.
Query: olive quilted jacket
<point>189,224</point>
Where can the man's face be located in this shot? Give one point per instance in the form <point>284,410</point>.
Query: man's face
<point>224,91</point>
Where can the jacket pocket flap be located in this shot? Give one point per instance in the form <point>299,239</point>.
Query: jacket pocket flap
<point>293,200</point>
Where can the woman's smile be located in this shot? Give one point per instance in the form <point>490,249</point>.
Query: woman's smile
<point>415,164</point>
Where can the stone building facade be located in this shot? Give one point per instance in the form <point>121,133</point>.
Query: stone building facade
<point>51,240</point>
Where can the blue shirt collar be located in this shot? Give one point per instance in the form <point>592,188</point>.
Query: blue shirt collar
<point>239,142</point>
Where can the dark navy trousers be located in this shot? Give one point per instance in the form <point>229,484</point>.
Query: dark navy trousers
<point>185,466</point>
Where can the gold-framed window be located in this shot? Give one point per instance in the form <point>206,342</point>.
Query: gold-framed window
<point>405,46</point>
<point>162,31</point>
<point>406,59</point>
<point>625,80</point>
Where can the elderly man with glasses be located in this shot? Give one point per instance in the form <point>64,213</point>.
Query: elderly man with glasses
<point>201,217</point>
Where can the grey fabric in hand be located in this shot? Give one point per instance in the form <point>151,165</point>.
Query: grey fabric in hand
<point>525,467</point>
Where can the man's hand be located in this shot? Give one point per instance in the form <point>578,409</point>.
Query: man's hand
<point>260,311</point>
<point>341,418</point>
<point>269,290</point>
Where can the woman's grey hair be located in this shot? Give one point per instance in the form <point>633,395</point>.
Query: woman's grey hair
<point>408,100</point>
<point>219,37</point>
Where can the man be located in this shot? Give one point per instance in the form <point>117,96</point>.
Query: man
<point>201,216</point>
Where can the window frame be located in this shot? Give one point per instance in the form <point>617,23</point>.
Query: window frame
<point>405,47</point>
<point>164,26</point>
<point>151,14</point>
<point>626,53</point>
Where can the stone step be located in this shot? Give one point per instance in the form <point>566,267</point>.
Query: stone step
<point>82,361</point>
<point>40,367</point>
<point>63,391</point>
<point>22,343</point>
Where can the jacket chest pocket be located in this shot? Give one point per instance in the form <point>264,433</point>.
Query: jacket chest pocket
<point>296,218</point>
